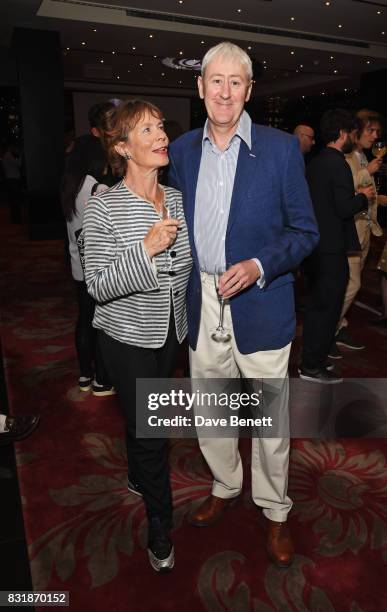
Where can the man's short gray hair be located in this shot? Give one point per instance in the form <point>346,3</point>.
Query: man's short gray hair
<point>229,51</point>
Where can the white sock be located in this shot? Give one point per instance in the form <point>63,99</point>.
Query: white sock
<point>2,423</point>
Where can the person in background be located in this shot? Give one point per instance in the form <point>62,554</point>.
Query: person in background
<point>16,428</point>
<point>137,266</point>
<point>305,135</point>
<point>85,177</point>
<point>363,172</point>
<point>11,163</point>
<point>335,204</point>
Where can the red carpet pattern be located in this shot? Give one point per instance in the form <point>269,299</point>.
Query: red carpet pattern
<point>86,533</point>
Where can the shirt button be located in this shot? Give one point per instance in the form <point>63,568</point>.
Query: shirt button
<point>176,293</point>
<point>172,253</point>
<point>172,273</point>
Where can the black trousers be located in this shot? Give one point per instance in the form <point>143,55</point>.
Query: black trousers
<point>89,354</point>
<point>148,461</point>
<point>327,278</point>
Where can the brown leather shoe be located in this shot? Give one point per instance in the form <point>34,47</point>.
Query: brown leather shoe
<point>279,544</point>
<point>210,511</point>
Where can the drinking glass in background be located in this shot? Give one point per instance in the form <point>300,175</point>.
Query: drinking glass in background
<point>379,150</point>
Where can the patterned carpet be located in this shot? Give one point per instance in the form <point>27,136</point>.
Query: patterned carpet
<point>86,533</point>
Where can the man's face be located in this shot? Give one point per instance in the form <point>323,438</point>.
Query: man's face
<point>369,135</point>
<point>349,142</point>
<point>225,87</point>
<point>306,138</point>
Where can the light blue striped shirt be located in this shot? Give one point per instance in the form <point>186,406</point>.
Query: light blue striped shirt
<point>213,197</point>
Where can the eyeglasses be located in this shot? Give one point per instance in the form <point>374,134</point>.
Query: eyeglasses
<point>308,135</point>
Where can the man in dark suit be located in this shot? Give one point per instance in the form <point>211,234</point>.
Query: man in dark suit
<point>248,212</point>
<point>335,204</point>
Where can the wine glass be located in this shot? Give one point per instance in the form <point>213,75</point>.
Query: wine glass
<point>379,149</point>
<point>220,334</point>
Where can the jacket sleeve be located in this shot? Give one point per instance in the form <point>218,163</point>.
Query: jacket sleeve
<point>347,204</point>
<point>110,275</point>
<point>299,234</point>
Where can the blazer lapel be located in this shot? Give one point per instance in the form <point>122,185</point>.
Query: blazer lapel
<point>246,165</point>
<point>193,165</point>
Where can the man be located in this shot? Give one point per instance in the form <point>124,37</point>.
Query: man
<point>305,135</point>
<point>335,204</point>
<point>247,204</point>
<point>366,222</point>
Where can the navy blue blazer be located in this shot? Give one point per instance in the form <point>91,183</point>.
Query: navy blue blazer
<point>271,218</point>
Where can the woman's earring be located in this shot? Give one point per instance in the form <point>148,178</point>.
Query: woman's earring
<point>127,157</point>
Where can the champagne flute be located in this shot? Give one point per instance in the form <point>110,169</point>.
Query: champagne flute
<point>220,334</point>
<point>169,212</point>
<point>379,149</point>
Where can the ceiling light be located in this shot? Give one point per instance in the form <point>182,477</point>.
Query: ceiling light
<point>335,71</point>
<point>331,57</point>
<point>134,48</point>
<point>128,70</point>
<point>113,52</point>
<point>140,64</point>
<point>368,62</point>
<point>323,93</point>
<point>180,82</point>
<point>101,61</point>
<point>94,30</point>
<point>303,97</point>
<point>239,10</point>
<point>163,74</point>
<point>150,35</point>
<point>118,77</point>
<point>301,65</point>
<point>180,1</point>
<point>249,48</point>
<point>68,48</point>
<point>382,33</point>
<point>340,26</point>
<point>180,52</point>
<point>291,52</point>
<point>345,89</point>
<point>292,18</point>
<point>155,56</point>
<point>327,4</point>
<point>83,43</point>
<point>202,42</point>
<point>379,12</point>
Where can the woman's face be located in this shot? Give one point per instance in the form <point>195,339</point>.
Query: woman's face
<point>147,143</point>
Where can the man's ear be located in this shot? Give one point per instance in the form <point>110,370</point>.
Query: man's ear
<point>200,87</point>
<point>248,93</point>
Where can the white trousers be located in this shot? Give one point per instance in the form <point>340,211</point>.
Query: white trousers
<point>269,456</point>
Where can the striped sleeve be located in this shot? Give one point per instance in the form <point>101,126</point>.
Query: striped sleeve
<point>108,274</point>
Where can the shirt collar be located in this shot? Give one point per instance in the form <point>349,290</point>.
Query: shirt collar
<point>243,130</point>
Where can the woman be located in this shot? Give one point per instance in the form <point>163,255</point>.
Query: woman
<point>86,173</point>
<point>138,261</point>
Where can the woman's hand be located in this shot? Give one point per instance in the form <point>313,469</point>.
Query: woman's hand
<point>161,236</point>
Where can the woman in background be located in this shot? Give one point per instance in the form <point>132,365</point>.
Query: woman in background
<point>85,175</point>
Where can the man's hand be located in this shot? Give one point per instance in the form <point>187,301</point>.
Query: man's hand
<point>238,277</point>
<point>368,191</point>
<point>374,165</point>
<point>382,200</point>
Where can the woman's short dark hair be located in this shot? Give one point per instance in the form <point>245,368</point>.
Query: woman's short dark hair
<point>121,121</point>
<point>335,120</point>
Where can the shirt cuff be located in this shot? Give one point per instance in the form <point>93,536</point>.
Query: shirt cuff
<point>261,280</point>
